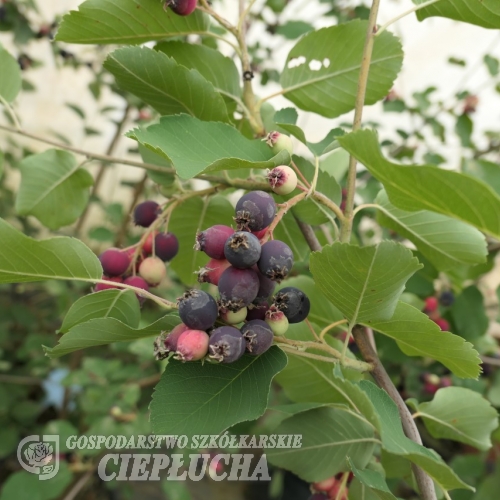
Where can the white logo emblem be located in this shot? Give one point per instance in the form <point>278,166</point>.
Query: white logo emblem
<point>39,455</point>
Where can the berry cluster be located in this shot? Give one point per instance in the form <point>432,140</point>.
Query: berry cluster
<point>148,260</point>
<point>330,488</point>
<point>432,382</point>
<point>431,308</point>
<point>246,271</point>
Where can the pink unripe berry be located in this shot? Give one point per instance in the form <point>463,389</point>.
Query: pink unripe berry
<point>147,246</point>
<point>192,345</point>
<point>442,323</point>
<point>153,270</point>
<point>168,343</point>
<point>212,240</point>
<point>233,318</point>
<point>431,304</point>
<point>325,485</point>
<point>278,142</point>
<point>446,382</point>
<point>282,179</point>
<point>277,320</point>
<point>101,286</point>
<point>211,273</point>
<point>114,262</point>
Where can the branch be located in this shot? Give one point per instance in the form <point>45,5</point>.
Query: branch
<point>346,226</point>
<point>424,482</point>
<point>309,235</point>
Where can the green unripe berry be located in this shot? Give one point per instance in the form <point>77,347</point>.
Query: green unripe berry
<point>278,142</point>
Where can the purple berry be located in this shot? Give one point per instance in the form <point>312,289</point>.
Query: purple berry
<point>166,246</point>
<point>257,310</point>
<point>242,249</point>
<point>276,260</point>
<point>212,240</point>
<point>277,320</point>
<point>238,288</point>
<point>102,286</point>
<point>282,179</point>
<point>258,336</point>
<point>146,213</point>
<point>278,142</point>
<point>192,345</point>
<point>212,272</point>
<point>168,343</point>
<point>294,303</point>
<point>266,287</point>
<point>114,262</point>
<point>255,211</point>
<point>198,310</point>
<point>226,344</point>
<point>182,7</point>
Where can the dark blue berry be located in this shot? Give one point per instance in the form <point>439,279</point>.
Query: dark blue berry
<point>198,310</point>
<point>294,303</point>
<point>242,249</point>
<point>226,344</point>
<point>258,336</point>
<point>146,213</point>
<point>276,260</point>
<point>257,310</point>
<point>447,298</point>
<point>238,288</point>
<point>255,211</point>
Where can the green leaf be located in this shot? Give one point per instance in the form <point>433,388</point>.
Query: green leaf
<point>127,22</point>
<point>417,335</point>
<point>363,283</point>
<point>192,216</point>
<point>464,128</point>
<point>469,314</point>
<point>329,436</point>
<point>164,84</point>
<point>219,70</point>
<point>373,480</point>
<point>24,259</point>
<point>492,63</point>
<point>10,76</point>
<point>218,146</point>
<point>485,170</point>
<point>427,187</point>
<point>444,241</point>
<point>294,29</point>
<point>54,188</point>
<point>321,75</point>
<point>461,415</point>
<point>485,13</point>
<point>103,331</point>
<point>119,304</point>
<point>394,441</point>
<point>195,398</point>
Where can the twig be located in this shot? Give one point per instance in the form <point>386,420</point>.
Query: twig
<point>346,226</point>
<point>309,235</point>
<point>331,327</point>
<point>20,380</point>
<point>424,482</point>
<point>11,112</point>
<point>80,484</point>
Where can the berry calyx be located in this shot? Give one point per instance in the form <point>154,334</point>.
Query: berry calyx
<point>166,343</point>
<point>182,7</point>
<point>212,272</point>
<point>192,345</point>
<point>153,270</point>
<point>166,246</point>
<point>282,179</point>
<point>114,262</point>
<point>212,240</point>
<point>242,249</point>
<point>278,142</point>
<point>103,286</point>
<point>238,288</point>
<point>226,345</point>
<point>277,320</point>
<point>146,213</point>
<point>255,211</point>
<point>198,310</point>
<point>294,303</point>
<point>431,304</point>
<point>258,336</point>
<point>276,260</point>
<point>233,318</point>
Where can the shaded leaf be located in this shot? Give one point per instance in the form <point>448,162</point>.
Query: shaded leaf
<point>373,480</point>
<point>468,313</point>
<point>10,76</point>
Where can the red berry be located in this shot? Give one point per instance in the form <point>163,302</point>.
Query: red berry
<point>430,388</point>
<point>182,7</point>
<point>114,262</point>
<point>102,286</point>
<point>442,323</point>
<point>192,345</point>
<point>431,304</point>
<point>137,282</point>
<point>212,240</point>
<point>166,246</point>
<point>211,273</point>
<point>146,213</point>
<point>334,492</point>
<point>260,234</point>
<point>147,246</point>
<point>168,343</point>
<point>153,270</point>
<point>325,485</point>
<point>130,252</point>
<point>282,179</point>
